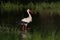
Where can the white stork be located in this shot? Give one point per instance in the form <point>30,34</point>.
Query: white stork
<point>26,21</point>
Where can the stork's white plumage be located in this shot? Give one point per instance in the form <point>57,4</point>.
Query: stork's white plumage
<point>29,18</point>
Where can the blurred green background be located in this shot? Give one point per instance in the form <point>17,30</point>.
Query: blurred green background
<point>45,24</point>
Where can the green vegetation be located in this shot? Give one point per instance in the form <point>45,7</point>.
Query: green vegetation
<point>47,28</point>
<point>38,7</point>
<point>14,34</point>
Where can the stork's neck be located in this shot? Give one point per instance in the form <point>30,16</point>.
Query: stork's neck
<point>29,15</point>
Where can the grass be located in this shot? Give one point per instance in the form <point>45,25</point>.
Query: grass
<point>14,34</point>
<point>46,33</point>
<point>38,7</point>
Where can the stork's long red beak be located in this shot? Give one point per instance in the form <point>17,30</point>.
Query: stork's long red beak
<point>31,11</point>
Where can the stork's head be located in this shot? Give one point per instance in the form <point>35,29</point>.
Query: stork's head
<point>30,11</point>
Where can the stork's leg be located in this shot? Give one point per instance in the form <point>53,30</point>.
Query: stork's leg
<point>24,31</point>
<point>24,28</point>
